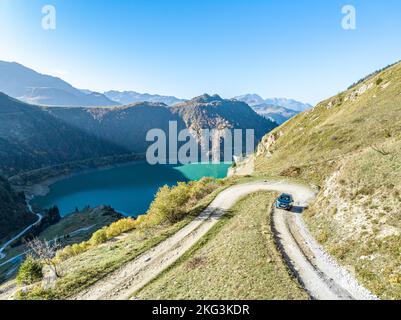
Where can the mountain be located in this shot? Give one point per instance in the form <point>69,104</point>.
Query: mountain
<point>30,86</point>
<point>130,97</point>
<point>288,104</point>
<point>213,112</point>
<point>254,100</point>
<point>127,126</point>
<point>251,99</point>
<point>31,138</point>
<point>122,126</point>
<point>277,109</point>
<point>14,214</point>
<point>350,147</point>
<point>274,113</point>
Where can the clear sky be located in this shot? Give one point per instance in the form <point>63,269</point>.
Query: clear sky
<point>294,49</point>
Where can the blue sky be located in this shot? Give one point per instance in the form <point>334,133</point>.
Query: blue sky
<point>294,49</point>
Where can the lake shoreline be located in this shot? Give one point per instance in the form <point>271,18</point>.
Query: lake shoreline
<point>128,187</point>
<point>42,188</point>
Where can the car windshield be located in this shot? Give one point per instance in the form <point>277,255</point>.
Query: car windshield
<point>285,198</point>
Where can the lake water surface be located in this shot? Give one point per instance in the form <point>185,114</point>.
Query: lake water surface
<point>129,189</point>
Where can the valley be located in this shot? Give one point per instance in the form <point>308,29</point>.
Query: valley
<point>200,158</point>
<point>130,229</point>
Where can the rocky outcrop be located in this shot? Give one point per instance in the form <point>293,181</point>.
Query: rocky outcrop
<point>266,146</point>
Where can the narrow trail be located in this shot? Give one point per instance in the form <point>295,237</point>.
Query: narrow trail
<point>320,275</point>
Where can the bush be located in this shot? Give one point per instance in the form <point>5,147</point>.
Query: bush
<point>169,204</point>
<point>172,204</point>
<point>30,271</point>
<point>119,227</point>
<point>36,293</point>
<point>99,237</point>
<point>64,253</point>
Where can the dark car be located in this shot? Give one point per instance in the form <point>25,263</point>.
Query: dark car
<point>285,201</point>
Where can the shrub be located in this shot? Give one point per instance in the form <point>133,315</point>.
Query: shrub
<point>120,227</point>
<point>98,237</point>
<point>172,204</point>
<point>36,293</point>
<point>30,271</point>
<point>64,254</point>
<point>169,204</point>
<point>323,236</point>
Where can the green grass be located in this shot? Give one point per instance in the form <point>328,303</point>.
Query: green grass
<point>313,138</point>
<point>83,270</point>
<point>364,233</point>
<point>353,138</point>
<point>237,259</point>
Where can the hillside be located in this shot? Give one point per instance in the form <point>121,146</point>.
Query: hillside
<point>123,126</point>
<point>30,86</point>
<point>14,214</point>
<point>31,138</point>
<point>350,146</point>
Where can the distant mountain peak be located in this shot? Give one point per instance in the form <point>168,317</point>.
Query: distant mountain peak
<point>277,109</point>
<point>130,97</point>
<point>206,98</point>
<point>256,100</point>
<point>252,99</point>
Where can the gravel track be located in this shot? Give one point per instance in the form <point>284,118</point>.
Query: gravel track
<point>319,274</point>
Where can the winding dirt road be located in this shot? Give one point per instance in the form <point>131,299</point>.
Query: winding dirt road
<point>19,235</point>
<point>321,277</point>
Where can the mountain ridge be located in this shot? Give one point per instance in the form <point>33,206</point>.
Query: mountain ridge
<point>31,138</point>
<point>33,87</point>
<point>130,97</point>
<point>279,110</point>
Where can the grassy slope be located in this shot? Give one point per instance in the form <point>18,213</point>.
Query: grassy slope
<point>88,267</point>
<point>236,260</point>
<point>350,146</point>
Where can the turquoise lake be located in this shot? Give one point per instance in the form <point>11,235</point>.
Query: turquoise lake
<point>129,189</point>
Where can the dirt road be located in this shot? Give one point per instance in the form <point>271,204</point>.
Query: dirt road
<point>321,277</point>
<point>19,235</point>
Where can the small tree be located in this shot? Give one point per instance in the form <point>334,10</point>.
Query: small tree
<point>45,251</point>
<point>30,271</point>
